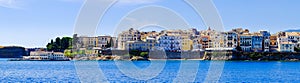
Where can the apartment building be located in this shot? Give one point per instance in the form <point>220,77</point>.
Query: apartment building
<point>246,42</point>
<point>273,43</point>
<point>170,42</point>
<point>93,42</point>
<point>147,45</point>
<point>286,47</point>
<point>205,41</point>
<point>130,35</point>
<point>257,42</point>
<point>230,39</point>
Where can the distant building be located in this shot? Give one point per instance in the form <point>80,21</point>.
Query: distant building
<point>187,42</point>
<point>130,35</point>
<point>197,43</point>
<point>273,43</point>
<point>147,45</point>
<point>93,42</point>
<point>294,37</point>
<point>42,55</point>
<point>230,39</point>
<point>12,52</point>
<point>266,40</point>
<point>286,47</point>
<point>170,43</point>
<point>257,42</point>
<point>28,50</point>
<point>102,41</point>
<point>217,40</point>
<point>205,41</point>
<point>246,42</point>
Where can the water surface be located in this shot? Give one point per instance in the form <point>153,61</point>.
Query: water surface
<point>65,71</point>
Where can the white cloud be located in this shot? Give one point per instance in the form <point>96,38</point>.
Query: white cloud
<point>9,3</point>
<point>136,2</point>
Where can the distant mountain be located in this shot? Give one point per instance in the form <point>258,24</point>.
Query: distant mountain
<point>293,30</point>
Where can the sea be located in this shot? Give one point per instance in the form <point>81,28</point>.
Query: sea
<point>156,71</point>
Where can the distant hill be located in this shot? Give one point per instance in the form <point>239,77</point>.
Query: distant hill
<point>293,30</point>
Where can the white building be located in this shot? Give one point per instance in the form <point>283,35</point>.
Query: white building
<point>170,43</point>
<point>246,42</point>
<point>217,40</point>
<point>41,55</point>
<point>286,47</point>
<point>291,37</point>
<point>230,39</point>
<point>266,40</point>
<point>197,43</point>
<point>257,42</point>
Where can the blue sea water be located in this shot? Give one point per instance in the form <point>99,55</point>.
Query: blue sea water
<point>232,71</point>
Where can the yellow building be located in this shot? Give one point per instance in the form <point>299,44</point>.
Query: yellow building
<point>187,44</point>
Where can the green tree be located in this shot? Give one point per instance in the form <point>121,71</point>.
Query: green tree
<point>144,54</point>
<point>59,45</point>
<point>68,53</point>
<point>65,43</point>
<point>109,43</point>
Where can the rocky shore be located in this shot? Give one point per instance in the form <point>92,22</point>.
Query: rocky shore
<point>110,58</point>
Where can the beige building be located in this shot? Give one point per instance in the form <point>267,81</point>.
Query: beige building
<point>99,42</point>
<point>130,35</point>
<point>149,44</point>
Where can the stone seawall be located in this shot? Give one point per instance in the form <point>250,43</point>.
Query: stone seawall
<point>176,55</point>
<point>266,56</point>
<point>164,55</point>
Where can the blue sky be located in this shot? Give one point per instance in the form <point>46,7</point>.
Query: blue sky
<point>32,23</point>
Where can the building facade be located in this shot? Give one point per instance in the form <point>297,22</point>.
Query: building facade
<point>147,45</point>
<point>170,43</point>
<point>273,43</point>
<point>246,42</point>
<point>257,42</point>
<point>230,39</point>
<point>130,35</point>
<point>286,47</point>
<point>100,42</point>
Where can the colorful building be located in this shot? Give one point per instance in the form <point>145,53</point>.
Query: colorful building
<point>273,43</point>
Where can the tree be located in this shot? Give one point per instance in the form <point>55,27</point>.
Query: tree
<point>109,43</point>
<point>49,46</point>
<point>68,53</point>
<point>144,54</point>
<point>59,45</point>
<point>65,42</point>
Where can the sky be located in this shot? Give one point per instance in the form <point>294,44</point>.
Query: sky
<point>33,23</point>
